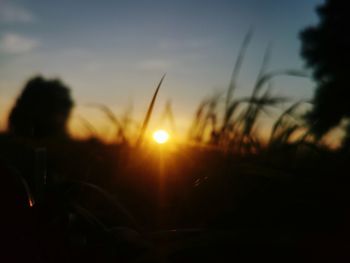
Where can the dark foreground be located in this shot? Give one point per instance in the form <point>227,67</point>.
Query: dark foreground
<point>74,201</point>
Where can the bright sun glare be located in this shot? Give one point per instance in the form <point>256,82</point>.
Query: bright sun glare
<point>161,136</point>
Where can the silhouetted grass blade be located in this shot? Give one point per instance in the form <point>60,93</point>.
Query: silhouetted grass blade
<point>149,113</point>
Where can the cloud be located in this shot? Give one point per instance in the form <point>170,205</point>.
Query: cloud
<point>11,13</point>
<point>12,43</point>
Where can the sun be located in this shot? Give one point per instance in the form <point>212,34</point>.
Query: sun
<point>161,136</point>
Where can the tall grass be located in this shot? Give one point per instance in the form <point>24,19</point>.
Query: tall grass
<point>289,123</point>
<point>224,120</point>
<point>235,125</point>
<point>120,136</point>
<point>168,115</point>
<point>149,113</point>
<point>123,134</point>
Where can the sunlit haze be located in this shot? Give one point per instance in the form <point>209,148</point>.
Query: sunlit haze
<point>174,130</point>
<point>161,136</point>
<point>114,52</point>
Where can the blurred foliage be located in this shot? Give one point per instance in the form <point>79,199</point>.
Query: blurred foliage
<point>325,48</point>
<point>224,191</point>
<point>42,109</point>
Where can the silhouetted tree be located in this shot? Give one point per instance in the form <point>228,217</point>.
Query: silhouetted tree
<point>41,110</point>
<point>326,50</point>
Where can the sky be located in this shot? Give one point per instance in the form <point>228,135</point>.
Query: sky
<point>115,52</point>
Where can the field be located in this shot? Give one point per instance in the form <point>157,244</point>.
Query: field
<point>225,194</point>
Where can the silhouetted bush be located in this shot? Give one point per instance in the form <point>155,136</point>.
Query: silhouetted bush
<point>325,48</point>
<point>42,109</point>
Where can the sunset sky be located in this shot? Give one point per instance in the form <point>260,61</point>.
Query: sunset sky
<point>114,52</point>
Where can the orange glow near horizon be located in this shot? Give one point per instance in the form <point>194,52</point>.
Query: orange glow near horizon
<point>161,136</point>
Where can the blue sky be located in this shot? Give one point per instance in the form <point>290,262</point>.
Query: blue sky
<point>114,52</point>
